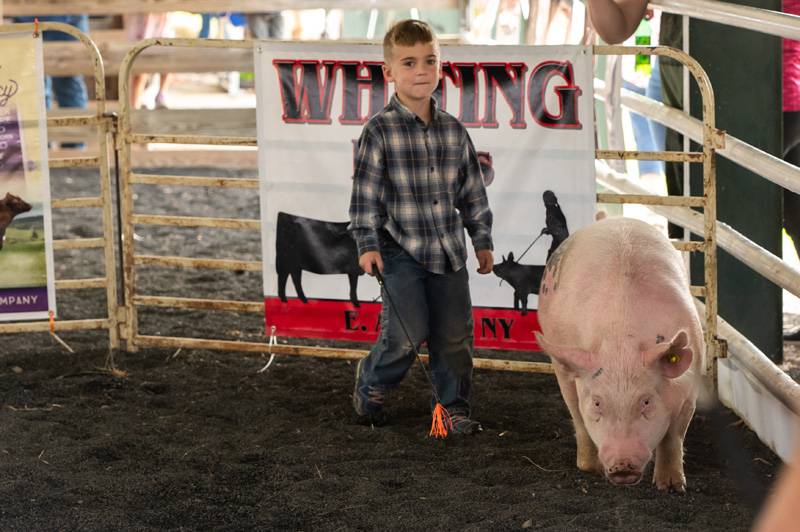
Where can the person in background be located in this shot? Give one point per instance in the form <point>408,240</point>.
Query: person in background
<point>268,25</point>
<point>791,135</point>
<point>643,78</point>
<point>779,513</point>
<point>791,125</point>
<point>69,91</point>
<point>140,26</point>
<point>205,26</point>
<point>616,20</point>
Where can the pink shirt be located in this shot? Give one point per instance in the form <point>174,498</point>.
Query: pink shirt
<point>791,64</point>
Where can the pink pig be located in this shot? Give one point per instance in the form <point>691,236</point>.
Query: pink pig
<point>619,324</point>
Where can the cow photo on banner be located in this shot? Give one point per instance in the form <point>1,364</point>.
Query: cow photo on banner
<point>27,286</point>
<point>529,113</point>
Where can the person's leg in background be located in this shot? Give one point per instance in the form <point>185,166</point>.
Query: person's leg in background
<point>136,30</point>
<point>671,74</point>
<point>791,154</point>
<point>158,26</point>
<point>48,92</point>
<point>68,91</point>
<point>163,84</point>
<point>653,91</point>
<point>643,136</point>
<point>791,200</point>
<point>140,26</point>
<point>205,28</point>
<point>267,25</point>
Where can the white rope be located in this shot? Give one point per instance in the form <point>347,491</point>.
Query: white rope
<point>272,341</point>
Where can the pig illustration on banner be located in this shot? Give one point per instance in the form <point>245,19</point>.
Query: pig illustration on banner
<point>523,278</point>
<point>620,325</point>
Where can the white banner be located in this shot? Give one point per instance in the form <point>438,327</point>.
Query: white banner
<point>528,108</point>
<point>27,280</point>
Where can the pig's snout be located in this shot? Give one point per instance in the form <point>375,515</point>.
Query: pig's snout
<point>624,460</point>
<point>624,473</point>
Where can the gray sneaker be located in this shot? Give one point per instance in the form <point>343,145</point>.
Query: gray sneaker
<point>463,425</point>
<point>368,402</point>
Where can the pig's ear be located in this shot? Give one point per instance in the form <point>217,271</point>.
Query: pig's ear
<point>572,359</point>
<point>671,358</point>
<point>510,256</point>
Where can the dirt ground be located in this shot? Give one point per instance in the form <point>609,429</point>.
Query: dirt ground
<point>201,440</point>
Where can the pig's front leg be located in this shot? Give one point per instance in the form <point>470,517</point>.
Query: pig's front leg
<point>668,471</point>
<point>587,458</point>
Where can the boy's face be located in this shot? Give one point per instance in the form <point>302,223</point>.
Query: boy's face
<point>415,71</point>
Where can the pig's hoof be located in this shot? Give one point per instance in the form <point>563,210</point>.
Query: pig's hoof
<point>672,481</point>
<point>590,464</point>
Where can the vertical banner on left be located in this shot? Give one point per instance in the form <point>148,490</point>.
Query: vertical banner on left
<point>27,280</point>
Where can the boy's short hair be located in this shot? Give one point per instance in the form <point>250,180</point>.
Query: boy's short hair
<point>408,33</point>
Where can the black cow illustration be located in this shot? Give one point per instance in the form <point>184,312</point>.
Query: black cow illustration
<point>524,278</point>
<point>555,221</point>
<point>316,246</point>
<point>10,206</point>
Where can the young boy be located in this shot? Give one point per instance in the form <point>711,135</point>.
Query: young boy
<point>417,185</point>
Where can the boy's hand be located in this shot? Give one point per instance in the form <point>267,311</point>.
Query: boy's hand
<point>485,260</point>
<point>370,260</point>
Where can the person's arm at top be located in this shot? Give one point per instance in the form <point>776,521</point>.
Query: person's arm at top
<point>616,20</point>
<point>474,207</point>
<point>366,211</point>
<point>779,512</point>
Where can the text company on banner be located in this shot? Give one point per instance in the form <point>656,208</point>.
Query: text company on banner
<point>27,280</point>
<point>529,113</point>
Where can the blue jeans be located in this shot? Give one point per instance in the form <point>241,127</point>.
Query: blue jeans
<point>69,91</point>
<point>643,136</point>
<point>205,28</point>
<point>434,307</point>
<point>658,131</point>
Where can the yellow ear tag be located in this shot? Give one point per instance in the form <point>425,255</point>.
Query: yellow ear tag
<point>673,358</point>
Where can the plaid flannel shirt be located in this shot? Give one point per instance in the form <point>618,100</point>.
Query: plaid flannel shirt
<point>422,184</point>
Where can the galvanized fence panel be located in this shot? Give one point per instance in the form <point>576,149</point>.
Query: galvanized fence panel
<point>134,300</point>
<point>103,123</point>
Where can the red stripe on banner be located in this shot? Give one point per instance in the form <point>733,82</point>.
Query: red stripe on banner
<point>495,328</point>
